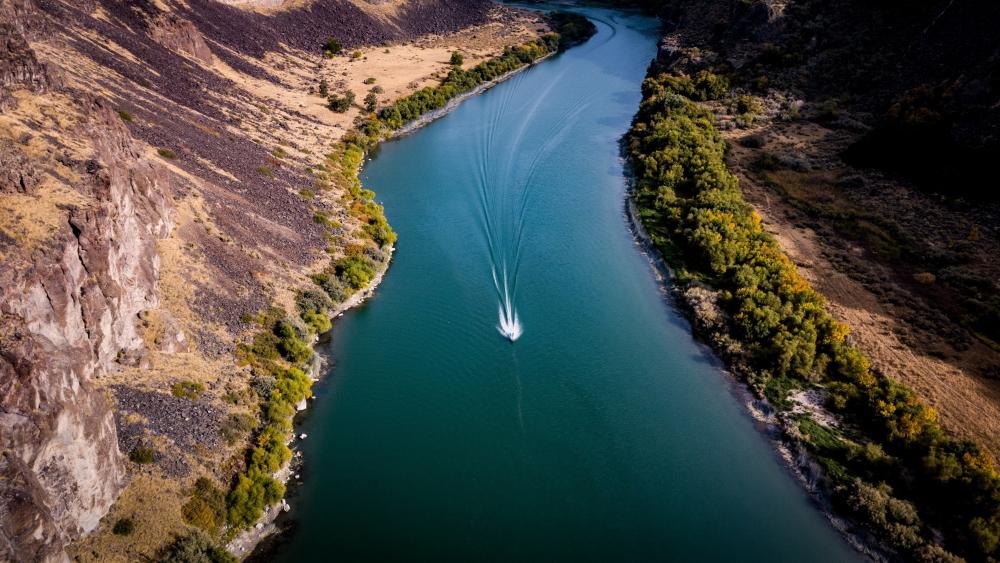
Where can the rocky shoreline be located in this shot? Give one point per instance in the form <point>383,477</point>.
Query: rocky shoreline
<point>247,541</point>
<point>779,429</point>
<point>244,544</point>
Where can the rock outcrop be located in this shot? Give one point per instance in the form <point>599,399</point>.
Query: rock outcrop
<point>181,36</point>
<point>117,120</point>
<point>68,313</point>
<point>19,68</point>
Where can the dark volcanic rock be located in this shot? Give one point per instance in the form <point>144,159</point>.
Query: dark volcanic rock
<point>180,35</point>
<point>185,422</point>
<point>17,173</point>
<point>18,66</point>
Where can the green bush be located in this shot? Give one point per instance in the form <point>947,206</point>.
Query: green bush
<point>142,455</point>
<point>456,59</point>
<point>126,116</point>
<point>290,345</point>
<point>458,80</point>
<point>236,426</point>
<point>332,47</point>
<point>166,153</point>
<point>571,28</point>
<point>314,309</point>
<point>195,547</point>
<point>281,384</point>
<point>371,102</point>
<point>355,271</point>
<point>123,527</point>
<point>341,104</point>
<point>187,390</point>
<point>324,88</point>
<point>206,509</point>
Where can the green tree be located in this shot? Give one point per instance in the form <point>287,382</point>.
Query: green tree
<point>371,102</point>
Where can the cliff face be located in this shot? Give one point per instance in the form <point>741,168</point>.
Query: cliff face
<point>68,311</point>
<point>156,192</point>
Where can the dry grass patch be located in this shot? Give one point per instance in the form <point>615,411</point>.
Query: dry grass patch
<point>153,504</point>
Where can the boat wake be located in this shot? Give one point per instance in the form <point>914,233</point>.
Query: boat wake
<point>510,325</point>
<point>505,185</point>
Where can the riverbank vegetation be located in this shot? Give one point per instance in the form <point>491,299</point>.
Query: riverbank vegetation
<point>888,462</point>
<point>278,353</point>
<point>568,29</point>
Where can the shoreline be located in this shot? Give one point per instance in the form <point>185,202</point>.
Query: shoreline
<point>246,544</point>
<point>772,423</point>
<point>453,103</point>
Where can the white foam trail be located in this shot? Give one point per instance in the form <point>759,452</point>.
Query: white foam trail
<point>510,325</point>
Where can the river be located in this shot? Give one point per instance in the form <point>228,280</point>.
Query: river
<point>605,432</point>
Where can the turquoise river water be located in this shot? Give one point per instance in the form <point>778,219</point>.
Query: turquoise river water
<point>605,432</point>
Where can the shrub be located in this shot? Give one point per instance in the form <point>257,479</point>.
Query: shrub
<point>333,286</point>
<point>166,153</point>
<point>377,89</point>
<point>313,308</point>
<point>290,346</point>
<point>324,88</point>
<point>456,59</point>
<point>265,171</point>
<point>355,271</point>
<point>187,390</point>
<point>123,527</point>
<point>206,509</point>
<point>281,387</point>
<point>320,218</point>
<point>195,547</point>
<point>263,385</point>
<point>709,86</point>
<point>370,80</point>
<point>236,426</point>
<point>341,104</point>
<point>126,116</point>
<point>746,103</point>
<point>142,455</point>
<point>460,80</point>
<point>279,152</point>
<point>371,102</point>
<point>332,47</point>
<point>897,519</point>
<point>571,29</point>
<point>253,493</point>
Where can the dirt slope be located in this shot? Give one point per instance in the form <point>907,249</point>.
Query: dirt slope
<point>157,189</point>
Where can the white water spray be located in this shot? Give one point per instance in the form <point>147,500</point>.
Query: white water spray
<point>509,325</point>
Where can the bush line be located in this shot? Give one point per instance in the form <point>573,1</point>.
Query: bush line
<point>891,466</point>
<point>279,352</point>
